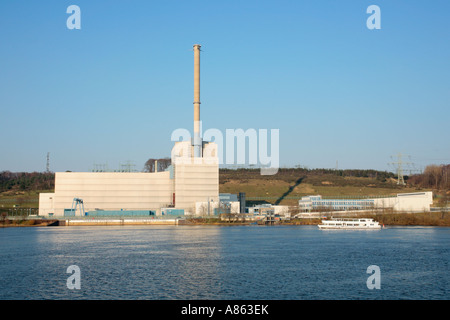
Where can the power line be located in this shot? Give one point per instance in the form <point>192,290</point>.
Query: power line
<point>400,165</point>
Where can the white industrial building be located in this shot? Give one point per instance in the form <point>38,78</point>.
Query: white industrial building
<point>404,202</point>
<point>192,177</point>
<point>269,209</point>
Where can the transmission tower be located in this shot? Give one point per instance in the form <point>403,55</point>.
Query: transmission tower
<point>400,166</point>
<point>128,167</point>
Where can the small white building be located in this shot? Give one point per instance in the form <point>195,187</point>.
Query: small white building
<point>266,209</point>
<point>206,208</point>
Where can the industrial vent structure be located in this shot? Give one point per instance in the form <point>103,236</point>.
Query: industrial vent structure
<point>193,177</point>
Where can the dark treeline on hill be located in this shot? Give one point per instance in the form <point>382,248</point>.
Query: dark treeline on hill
<point>316,177</point>
<point>21,181</point>
<point>356,173</point>
<point>434,176</point>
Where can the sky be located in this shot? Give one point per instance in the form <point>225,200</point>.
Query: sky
<point>340,94</point>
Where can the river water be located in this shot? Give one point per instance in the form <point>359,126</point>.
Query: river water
<point>224,262</point>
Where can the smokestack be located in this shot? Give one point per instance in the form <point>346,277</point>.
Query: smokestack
<point>242,203</point>
<point>197,139</point>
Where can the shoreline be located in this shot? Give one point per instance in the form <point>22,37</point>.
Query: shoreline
<point>426,219</point>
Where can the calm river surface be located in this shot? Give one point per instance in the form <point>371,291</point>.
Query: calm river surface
<point>224,262</point>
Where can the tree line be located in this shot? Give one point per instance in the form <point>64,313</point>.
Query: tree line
<point>434,176</point>
<point>26,181</point>
<point>297,171</point>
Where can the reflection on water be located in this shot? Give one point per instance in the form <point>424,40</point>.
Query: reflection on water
<point>213,262</point>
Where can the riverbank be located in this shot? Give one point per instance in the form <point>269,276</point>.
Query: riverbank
<point>436,219</point>
<point>5,223</point>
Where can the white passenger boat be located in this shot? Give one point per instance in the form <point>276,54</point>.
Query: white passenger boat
<point>349,224</point>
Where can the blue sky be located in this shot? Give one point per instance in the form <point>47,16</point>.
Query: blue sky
<point>115,90</point>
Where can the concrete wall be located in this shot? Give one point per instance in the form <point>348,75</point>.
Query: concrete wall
<point>417,201</point>
<point>385,203</point>
<point>46,204</point>
<point>112,190</point>
<point>281,210</point>
<point>235,207</point>
<point>195,183</point>
<point>411,202</point>
<point>195,179</point>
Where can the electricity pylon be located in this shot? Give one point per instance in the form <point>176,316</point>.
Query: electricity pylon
<point>399,164</point>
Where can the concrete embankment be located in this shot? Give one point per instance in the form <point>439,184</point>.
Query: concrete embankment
<point>88,222</point>
<point>119,222</point>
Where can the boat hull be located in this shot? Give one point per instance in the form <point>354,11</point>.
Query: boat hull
<point>322,227</point>
<point>349,224</point>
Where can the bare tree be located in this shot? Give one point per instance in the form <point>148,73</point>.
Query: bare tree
<point>433,173</point>
<point>163,164</point>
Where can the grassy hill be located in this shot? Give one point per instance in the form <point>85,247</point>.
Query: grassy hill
<point>288,185</point>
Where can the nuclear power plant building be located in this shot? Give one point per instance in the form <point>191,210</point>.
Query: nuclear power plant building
<point>192,178</point>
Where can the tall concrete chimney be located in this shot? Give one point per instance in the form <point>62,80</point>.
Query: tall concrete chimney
<point>197,138</point>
